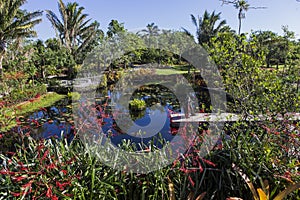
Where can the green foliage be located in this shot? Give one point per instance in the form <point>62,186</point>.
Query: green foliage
<point>260,148</point>
<point>75,32</point>
<point>52,58</point>
<point>15,24</point>
<point>24,94</point>
<point>74,96</point>
<point>9,113</point>
<point>115,27</point>
<point>42,168</point>
<point>137,104</point>
<point>254,89</point>
<point>103,82</point>
<point>38,103</point>
<point>251,153</point>
<point>206,27</point>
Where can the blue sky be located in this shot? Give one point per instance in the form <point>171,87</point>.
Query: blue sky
<point>174,14</point>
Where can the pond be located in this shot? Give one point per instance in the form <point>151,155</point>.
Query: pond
<point>117,122</point>
<point>58,120</point>
<point>53,121</point>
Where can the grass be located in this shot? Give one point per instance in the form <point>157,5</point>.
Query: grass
<point>44,101</point>
<point>8,114</point>
<point>169,71</point>
<point>175,69</point>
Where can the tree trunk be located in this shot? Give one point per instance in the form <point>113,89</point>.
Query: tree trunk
<point>43,72</point>
<point>240,24</point>
<point>240,21</point>
<point>1,69</point>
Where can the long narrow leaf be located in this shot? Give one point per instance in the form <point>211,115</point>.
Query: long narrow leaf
<point>287,191</point>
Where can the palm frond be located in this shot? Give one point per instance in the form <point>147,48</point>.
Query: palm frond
<point>194,20</point>
<point>187,32</point>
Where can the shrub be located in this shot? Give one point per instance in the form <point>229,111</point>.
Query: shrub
<point>75,96</point>
<point>137,104</point>
<point>29,92</point>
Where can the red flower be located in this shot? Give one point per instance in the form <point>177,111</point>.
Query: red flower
<point>19,178</point>
<point>175,163</point>
<point>54,197</point>
<point>287,174</point>
<point>58,184</point>
<point>37,95</point>
<point>209,162</point>
<point>16,194</point>
<point>4,172</point>
<point>18,121</point>
<point>45,154</point>
<point>27,185</point>
<point>1,136</point>
<point>64,171</point>
<point>191,181</point>
<point>51,166</point>
<point>62,185</point>
<point>49,192</point>
<point>43,109</point>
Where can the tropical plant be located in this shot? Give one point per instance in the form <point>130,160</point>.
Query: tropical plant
<point>74,30</point>
<point>14,24</point>
<point>206,26</point>
<point>241,5</point>
<point>115,27</point>
<point>137,104</point>
<point>149,33</point>
<point>151,30</point>
<point>259,92</point>
<point>51,58</point>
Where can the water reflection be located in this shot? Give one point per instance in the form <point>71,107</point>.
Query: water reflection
<point>58,120</point>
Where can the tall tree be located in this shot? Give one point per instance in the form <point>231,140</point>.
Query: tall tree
<point>241,5</point>
<point>50,58</point>
<point>207,27</point>
<point>74,30</point>
<point>14,25</point>
<point>115,27</point>
<point>151,31</point>
<point>269,43</point>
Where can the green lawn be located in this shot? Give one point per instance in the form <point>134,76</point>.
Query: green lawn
<point>9,114</point>
<point>176,69</point>
<point>169,71</point>
<point>44,101</point>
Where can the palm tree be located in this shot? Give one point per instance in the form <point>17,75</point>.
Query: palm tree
<point>14,24</point>
<point>206,26</point>
<point>115,27</point>
<point>73,29</point>
<point>241,5</point>
<point>150,31</point>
